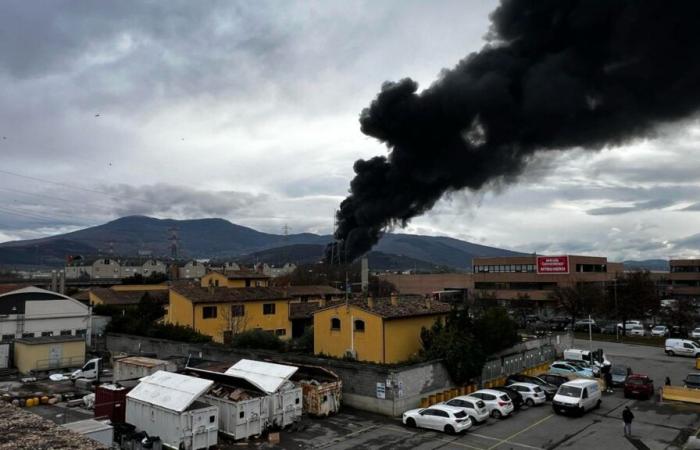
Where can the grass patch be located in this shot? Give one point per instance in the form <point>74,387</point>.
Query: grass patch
<point>651,341</point>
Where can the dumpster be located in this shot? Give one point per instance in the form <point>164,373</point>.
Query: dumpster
<point>322,390</point>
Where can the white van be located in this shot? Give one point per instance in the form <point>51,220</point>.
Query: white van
<point>682,347</point>
<point>596,358</point>
<point>577,396</point>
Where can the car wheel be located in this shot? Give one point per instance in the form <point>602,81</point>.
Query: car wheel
<point>449,429</point>
<point>410,422</point>
<point>473,421</point>
<point>670,353</point>
<point>597,405</point>
<point>529,402</point>
<point>496,414</point>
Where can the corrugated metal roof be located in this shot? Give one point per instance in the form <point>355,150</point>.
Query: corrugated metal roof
<point>169,390</point>
<point>266,376</point>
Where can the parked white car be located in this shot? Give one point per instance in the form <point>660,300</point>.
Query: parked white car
<point>532,393</point>
<point>695,334</point>
<point>476,409</point>
<point>445,418</point>
<point>498,403</point>
<point>629,324</point>
<point>636,330</point>
<point>660,330</point>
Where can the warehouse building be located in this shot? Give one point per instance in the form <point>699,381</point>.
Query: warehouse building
<point>684,278</point>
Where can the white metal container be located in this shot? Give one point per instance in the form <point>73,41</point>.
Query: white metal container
<point>286,405</point>
<point>135,367</point>
<point>241,419</point>
<point>165,405</point>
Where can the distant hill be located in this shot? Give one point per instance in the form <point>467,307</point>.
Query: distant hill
<point>659,265</point>
<point>219,238</point>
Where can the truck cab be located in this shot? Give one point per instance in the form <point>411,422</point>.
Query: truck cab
<point>594,358</point>
<point>89,371</point>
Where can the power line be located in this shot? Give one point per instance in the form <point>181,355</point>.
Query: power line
<point>43,180</point>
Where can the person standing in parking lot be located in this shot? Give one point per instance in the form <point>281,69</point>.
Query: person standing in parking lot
<point>627,417</point>
<point>607,377</point>
<point>668,381</point>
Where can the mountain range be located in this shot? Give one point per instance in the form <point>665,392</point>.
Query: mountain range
<point>218,238</point>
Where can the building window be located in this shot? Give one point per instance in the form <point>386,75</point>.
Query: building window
<point>8,337</point>
<point>82,332</point>
<point>27,335</point>
<point>66,332</point>
<point>360,325</point>
<point>47,333</point>
<point>237,310</point>
<point>280,332</point>
<point>335,323</point>
<point>268,308</point>
<point>209,312</point>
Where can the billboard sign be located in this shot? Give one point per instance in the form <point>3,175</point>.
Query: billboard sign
<point>547,265</point>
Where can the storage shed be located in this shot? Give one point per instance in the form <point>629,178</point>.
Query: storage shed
<point>166,404</point>
<point>285,398</point>
<point>46,353</point>
<point>136,367</point>
<point>110,402</point>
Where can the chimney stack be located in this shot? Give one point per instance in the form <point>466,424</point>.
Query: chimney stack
<point>370,302</point>
<point>394,299</point>
<point>365,275</point>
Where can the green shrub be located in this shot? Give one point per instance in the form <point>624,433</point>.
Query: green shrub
<point>257,339</point>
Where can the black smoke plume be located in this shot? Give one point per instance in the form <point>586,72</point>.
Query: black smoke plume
<point>554,74</point>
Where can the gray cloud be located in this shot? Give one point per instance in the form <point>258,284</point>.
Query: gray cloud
<point>639,206</point>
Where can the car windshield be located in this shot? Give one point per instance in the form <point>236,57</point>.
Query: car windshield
<point>505,398</point>
<point>693,378</point>
<point>460,414</point>
<point>617,370</point>
<point>570,391</point>
<point>659,328</point>
<point>697,330</point>
<point>538,389</point>
<point>635,381</point>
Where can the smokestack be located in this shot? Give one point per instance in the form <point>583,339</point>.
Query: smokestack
<point>370,302</point>
<point>394,299</point>
<point>554,75</point>
<point>365,275</point>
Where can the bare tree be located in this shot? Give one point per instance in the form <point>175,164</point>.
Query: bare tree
<point>234,320</point>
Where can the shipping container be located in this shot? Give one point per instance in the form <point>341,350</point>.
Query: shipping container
<point>286,406</point>
<point>110,402</point>
<point>167,405</point>
<point>322,390</point>
<point>136,367</point>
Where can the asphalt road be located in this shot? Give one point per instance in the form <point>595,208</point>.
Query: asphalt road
<point>656,425</point>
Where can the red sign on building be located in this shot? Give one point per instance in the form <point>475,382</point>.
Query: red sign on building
<point>552,264</point>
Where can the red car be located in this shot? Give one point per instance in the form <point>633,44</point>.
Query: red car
<point>638,385</point>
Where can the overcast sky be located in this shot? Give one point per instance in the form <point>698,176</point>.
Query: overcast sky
<point>249,111</point>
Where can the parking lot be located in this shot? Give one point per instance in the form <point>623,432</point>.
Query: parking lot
<point>657,425</point>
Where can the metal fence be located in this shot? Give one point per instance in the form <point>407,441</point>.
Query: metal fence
<point>518,362</point>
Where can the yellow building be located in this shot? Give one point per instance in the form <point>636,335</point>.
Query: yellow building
<point>49,352</point>
<point>140,287</point>
<point>235,279</point>
<point>384,331</point>
<point>221,312</point>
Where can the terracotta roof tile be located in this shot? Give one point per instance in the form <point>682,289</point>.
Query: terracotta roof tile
<point>111,297</point>
<point>297,291</point>
<point>405,307</point>
<point>229,295</point>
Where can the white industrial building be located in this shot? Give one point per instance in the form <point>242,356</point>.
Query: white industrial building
<point>167,405</point>
<point>33,312</point>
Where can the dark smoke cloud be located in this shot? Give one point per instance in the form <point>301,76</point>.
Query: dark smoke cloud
<point>556,74</point>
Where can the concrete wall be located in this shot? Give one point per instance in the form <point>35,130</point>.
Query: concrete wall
<point>403,386</point>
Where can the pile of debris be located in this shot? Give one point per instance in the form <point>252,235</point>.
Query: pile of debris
<point>23,430</point>
<point>233,394</point>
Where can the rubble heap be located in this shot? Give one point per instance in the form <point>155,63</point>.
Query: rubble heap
<point>23,430</point>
